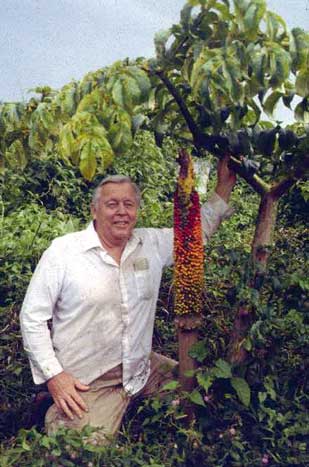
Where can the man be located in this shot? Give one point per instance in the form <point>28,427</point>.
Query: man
<point>100,287</point>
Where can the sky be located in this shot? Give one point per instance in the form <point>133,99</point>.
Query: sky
<point>51,42</point>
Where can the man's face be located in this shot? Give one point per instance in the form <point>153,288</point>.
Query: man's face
<point>115,212</point>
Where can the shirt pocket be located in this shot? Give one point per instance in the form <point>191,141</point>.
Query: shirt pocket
<point>143,279</point>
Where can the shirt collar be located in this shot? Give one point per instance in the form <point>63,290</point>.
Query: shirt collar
<point>92,240</point>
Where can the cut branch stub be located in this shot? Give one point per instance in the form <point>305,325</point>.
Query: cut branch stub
<point>188,327</point>
<point>188,273</point>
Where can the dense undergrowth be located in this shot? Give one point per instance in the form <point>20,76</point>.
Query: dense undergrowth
<point>264,422</point>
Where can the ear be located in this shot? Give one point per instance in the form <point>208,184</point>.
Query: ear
<point>93,211</point>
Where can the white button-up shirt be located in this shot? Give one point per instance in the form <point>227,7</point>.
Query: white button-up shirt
<point>102,312</point>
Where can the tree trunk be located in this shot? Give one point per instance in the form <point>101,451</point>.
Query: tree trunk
<point>188,327</point>
<point>261,244</point>
<point>263,237</point>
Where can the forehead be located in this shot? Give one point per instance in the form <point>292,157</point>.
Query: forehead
<point>117,191</point>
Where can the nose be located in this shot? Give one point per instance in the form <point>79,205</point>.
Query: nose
<point>121,208</point>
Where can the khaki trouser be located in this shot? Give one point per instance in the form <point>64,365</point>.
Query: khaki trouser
<point>107,400</point>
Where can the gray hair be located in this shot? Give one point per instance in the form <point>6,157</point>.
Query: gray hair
<point>115,179</point>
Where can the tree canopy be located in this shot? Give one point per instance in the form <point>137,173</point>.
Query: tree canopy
<point>215,75</point>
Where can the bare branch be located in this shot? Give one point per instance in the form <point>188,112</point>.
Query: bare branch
<point>181,103</point>
<point>253,180</point>
<point>281,187</point>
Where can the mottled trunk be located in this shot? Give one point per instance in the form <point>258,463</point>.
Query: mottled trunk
<point>261,244</point>
<point>263,237</point>
<point>188,327</point>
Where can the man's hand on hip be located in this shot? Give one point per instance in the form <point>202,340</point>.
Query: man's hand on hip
<point>64,390</point>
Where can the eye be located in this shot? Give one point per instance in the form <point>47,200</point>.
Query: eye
<point>111,205</point>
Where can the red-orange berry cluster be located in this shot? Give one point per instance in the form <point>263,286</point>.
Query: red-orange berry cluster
<point>188,242</point>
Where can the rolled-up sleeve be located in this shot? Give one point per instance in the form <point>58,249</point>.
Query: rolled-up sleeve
<point>37,309</point>
<point>213,212</point>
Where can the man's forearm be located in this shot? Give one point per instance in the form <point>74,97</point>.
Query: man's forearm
<point>226,179</point>
<point>224,191</point>
<point>213,212</point>
<point>39,349</point>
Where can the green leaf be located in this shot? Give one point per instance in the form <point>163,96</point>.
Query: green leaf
<point>262,397</point>
<point>185,16</point>
<point>118,93</point>
<point>280,64</point>
<point>194,2</point>
<point>67,144</point>
<point>16,155</point>
<point>302,83</point>
<point>299,47</point>
<point>2,165</point>
<point>275,25</point>
<point>241,7</point>
<point>46,442</point>
<point>287,99</point>
<point>92,102</point>
<point>222,369</point>
<point>25,445</point>
<point>196,398</point>
<point>232,80</point>
<point>242,390</point>
<point>254,13</point>
<point>199,351</point>
<point>104,152</point>
<point>129,87</point>
<point>269,386</point>
<point>68,98</point>
<point>205,380</point>
<point>119,133</point>
<point>131,93</point>
<point>171,386</point>
<point>88,163</point>
<point>271,102</point>
<point>138,120</point>
<point>301,111</point>
<point>44,121</point>
<point>258,59</point>
<point>56,452</point>
<point>11,116</point>
<point>142,81</point>
<point>253,115</point>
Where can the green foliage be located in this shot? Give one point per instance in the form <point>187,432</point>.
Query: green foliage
<point>87,123</point>
<point>218,72</point>
<point>226,56</point>
<point>49,183</point>
<point>129,85</point>
<point>25,234</point>
<point>153,169</point>
<point>215,73</point>
<point>34,229</point>
<point>244,414</point>
<point>70,448</point>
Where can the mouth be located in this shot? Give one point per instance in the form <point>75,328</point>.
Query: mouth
<point>121,223</point>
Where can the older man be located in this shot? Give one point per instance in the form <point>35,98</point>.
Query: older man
<point>100,287</point>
